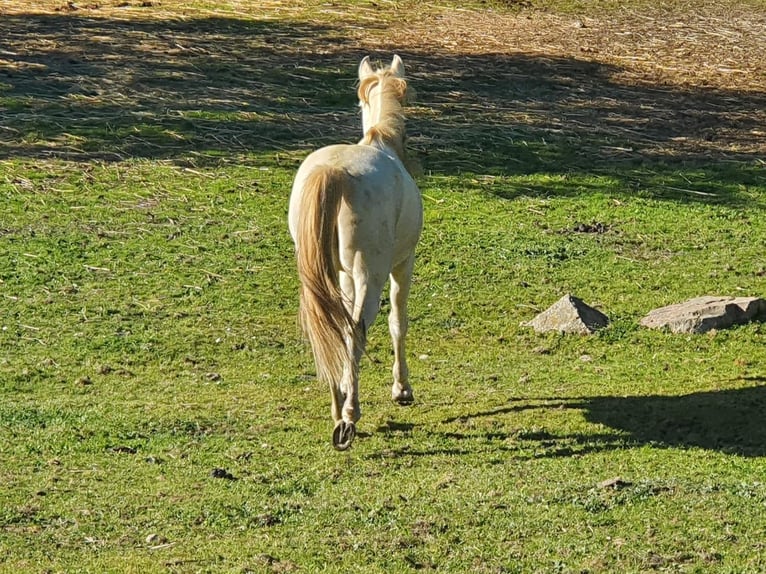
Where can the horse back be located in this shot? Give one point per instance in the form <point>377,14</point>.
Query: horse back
<point>382,212</point>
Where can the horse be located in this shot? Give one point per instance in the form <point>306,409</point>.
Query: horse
<point>355,217</point>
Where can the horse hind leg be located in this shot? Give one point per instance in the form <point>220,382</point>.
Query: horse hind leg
<point>353,295</point>
<point>346,410</point>
<point>401,279</point>
<point>345,427</point>
<point>366,304</point>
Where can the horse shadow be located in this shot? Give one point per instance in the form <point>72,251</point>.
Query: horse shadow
<point>728,421</point>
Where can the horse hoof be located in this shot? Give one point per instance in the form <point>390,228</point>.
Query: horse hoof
<point>404,398</point>
<point>343,435</point>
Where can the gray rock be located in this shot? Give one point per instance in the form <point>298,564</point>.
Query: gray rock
<point>702,314</point>
<point>569,315</point>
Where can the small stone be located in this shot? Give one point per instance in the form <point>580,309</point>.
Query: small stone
<point>615,483</point>
<point>156,541</point>
<point>569,315</point>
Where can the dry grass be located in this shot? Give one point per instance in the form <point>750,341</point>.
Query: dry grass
<point>678,81</point>
<point>680,44</point>
<point>163,80</point>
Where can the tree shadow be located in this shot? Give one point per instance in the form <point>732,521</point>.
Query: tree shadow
<point>580,112</point>
<point>728,421</point>
<point>215,89</point>
<point>519,115</point>
<point>86,88</point>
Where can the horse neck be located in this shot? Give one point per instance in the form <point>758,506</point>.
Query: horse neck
<point>385,125</point>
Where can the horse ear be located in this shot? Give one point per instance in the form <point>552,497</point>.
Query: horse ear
<point>365,68</point>
<point>397,66</point>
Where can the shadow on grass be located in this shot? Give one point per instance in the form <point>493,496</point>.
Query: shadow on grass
<point>212,90</point>
<point>728,421</point>
<point>87,88</point>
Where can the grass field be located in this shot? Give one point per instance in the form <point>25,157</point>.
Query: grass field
<point>158,408</point>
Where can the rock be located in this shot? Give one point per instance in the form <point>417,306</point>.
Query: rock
<point>702,314</point>
<point>615,483</point>
<point>569,315</point>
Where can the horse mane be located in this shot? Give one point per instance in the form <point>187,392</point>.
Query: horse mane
<point>390,130</point>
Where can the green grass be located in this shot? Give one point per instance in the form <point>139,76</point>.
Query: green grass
<point>148,336</point>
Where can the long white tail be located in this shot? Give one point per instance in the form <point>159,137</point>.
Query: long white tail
<point>324,318</point>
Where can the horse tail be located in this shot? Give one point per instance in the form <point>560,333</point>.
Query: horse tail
<point>324,317</point>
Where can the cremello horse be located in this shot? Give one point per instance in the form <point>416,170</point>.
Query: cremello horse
<point>355,217</point>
